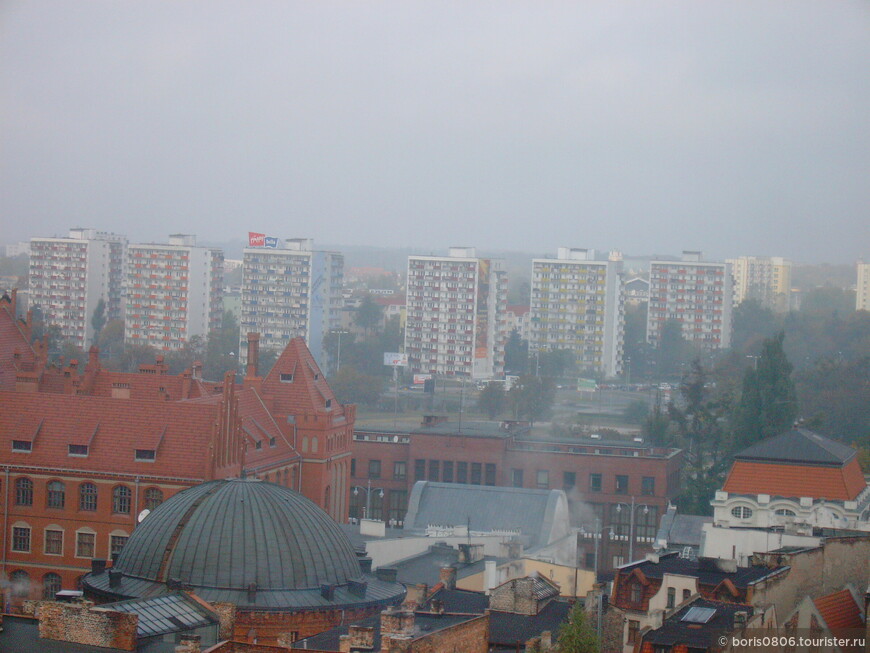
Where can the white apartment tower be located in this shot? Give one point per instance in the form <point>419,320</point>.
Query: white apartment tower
<point>456,322</point>
<point>174,292</point>
<point>765,278</point>
<point>289,292</point>
<point>69,276</point>
<point>577,304</point>
<point>697,294</point>
<point>862,289</point>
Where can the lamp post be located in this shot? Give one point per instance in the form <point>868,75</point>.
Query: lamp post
<point>368,490</point>
<point>339,333</point>
<point>632,515</point>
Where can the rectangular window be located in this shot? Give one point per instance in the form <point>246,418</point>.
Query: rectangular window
<point>21,539</point>
<point>374,469</point>
<point>517,477</point>
<point>462,472</point>
<point>476,471</point>
<point>78,450</point>
<point>489,470</point>
<point>117,543</point>
<point>353,467</point>
<point>400,471</point>
<point>672,597</point>
<point>434,470</point>
<point>542,479</point>
<point>147,455</point>
<point>419,470</point>
<point>569,480</point>
<point>590,561</point>
<point>648,485</point>
<point>621,484</point>
<point>54,542</point>
<point>633,629</point>
<point>447,477</point>
<point>595,482</point>
<point>24,446</point>
<point>398,505</point>
<point>85,543</point>
<point>287,378</point>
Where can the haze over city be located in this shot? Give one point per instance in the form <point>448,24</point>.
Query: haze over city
<point>733,129</point>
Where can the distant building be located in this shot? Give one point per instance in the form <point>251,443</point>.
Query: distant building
<point>291,292</point>
<point>696,294</point>
<point>764,278</point>
<point>577,304</point>
<point>69,276</point>
<point>862,289</point>
<point>18,249</point>
<point>518,319</point>
<point>174,292</point>
<point>636,291</point>
<point>456,314</point>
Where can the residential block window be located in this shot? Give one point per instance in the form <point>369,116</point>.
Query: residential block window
<point>542,479</point>
<point>56,496</point>
<point>53,542</point>
<point>569,480</point>
<point>462,472</point>
<point>434,470</point>
<point>121,499</point>
<point>374,469</point>
<point>85,544</point>
<point>400,470</point>
<point>595,482</point>
<point>23,492</point>
<point>447,475</point>
<point>621,484</point>
<point>517,477</point>
<point>489,474</point>
<point>648,485</point>
<point>476,473</point>
<point>21,539</point>
<point>87,496</point>
<point>419,470</point>
<point>153,497</point>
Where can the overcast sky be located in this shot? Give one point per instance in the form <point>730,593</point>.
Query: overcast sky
<point>649,127</point>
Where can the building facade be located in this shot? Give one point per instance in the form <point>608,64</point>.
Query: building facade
<point>862,288</point>
<point>577,304</point>
<point>456,323</point>
<point>695,293</point>
<point>291,292</point>
<point>765,278</point>
<point>174,292</point>
<point>69,276</point>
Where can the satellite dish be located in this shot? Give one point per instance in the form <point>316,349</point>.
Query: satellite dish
<point>142,515</point>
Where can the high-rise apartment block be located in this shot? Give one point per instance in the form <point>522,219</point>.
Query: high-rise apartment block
<point>69,276</point>
<point>456,307</point>
<point>862,289</point>
<point>765,278</point>
<point>577,304</point>
<point>288,292</point>
<point>174,292</point>
<point>695,293</point>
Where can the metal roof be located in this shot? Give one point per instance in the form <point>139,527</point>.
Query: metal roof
<point>799,446</point>
<point>165,614</point>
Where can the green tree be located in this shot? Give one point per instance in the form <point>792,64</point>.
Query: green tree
<point>369,314</point>
<point>834,398</point>
<point>768,402</point>
<point>577,635</point>
<point>353,387</point>
<point>752,324</point>
<point>673,350</point>
<point>111,339</point>
<point>516,354</point>
<point>98,319</point>
<point>531,397</point>
<point>222,349</point>
<point>555,364</point>
<point>492,399</point>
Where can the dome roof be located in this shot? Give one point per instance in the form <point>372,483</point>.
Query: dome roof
<point>232,533</point>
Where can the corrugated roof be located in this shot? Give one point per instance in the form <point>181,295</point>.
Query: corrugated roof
<point>170,613</point>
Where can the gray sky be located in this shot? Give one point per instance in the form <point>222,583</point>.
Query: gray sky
<point>735,128</point>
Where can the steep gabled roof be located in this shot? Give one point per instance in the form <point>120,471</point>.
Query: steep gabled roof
<point>839,610</point>
<point>303,388</point>
<point>12,341</point>
<point>799,447</point>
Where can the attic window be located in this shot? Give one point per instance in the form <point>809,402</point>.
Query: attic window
<point>287,378</point>
<point>22,445</point>
<point>329,403</point>
<point>258,445</point>
<point>145,455</point>
<point>316,376</point>
<point>78,450</point>
<point>272,442</point>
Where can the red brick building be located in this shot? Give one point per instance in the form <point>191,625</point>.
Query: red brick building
<point>83,452</point>
<point>603,479</point>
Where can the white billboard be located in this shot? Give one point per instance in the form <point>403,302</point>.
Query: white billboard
<point>396,359</point>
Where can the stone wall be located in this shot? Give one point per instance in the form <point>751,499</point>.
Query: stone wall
<point>82,624</point>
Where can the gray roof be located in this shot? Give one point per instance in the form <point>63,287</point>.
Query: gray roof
<point>681,530</point>
<point>170,613</point>
<point>487,508</point>
<point>223,537</point>
<point>799,446</point>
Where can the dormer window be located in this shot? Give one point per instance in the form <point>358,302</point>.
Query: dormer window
<point>272,442</point>
<point>78,450</point>
<point>287,377</point>
<point>22,446</point>
<point>329,403</point>
<point>258,445</point>
<point>145,455</point>
<point>635,593</point>
<point>742,512</point>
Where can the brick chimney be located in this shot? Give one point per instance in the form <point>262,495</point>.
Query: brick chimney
<point>447,576</point>
<point>253,368</point>
<point>188,643</point>
<point>395,621</point>
<point>357,638</point>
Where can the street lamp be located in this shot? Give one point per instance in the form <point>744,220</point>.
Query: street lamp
<point>339,333</point>
<point>633,513</point>
<point>368,490</point>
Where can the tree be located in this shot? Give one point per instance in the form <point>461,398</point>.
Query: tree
<point>768,402</point>
<point>531,397</point>
<point>492,399</point>
<point>673,349</point>
<point>555,364</point>
<point>111,339</point>
<point>369,314</point>
<point>353,387</point>
<point>222,350</point>
<point>577,635</point>
<point>752,323</point>
<point>516,354</point>
<point>98,319</point>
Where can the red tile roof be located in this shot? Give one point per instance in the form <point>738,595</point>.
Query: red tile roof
<point>12,340</point>
<point>839,610</point>
<point>308,391</point>
<point>839,483</point>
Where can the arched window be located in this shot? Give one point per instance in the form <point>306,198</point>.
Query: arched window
<point>785,512</point>
<point>56,497</point>
<point>304,444</point>
<point>51,585</point>
<point>23,492</point>
<point>87,496</point>
<point>742,512</point>
<point>20,580</point>
<point>153,497</point>
<point>121,499</point>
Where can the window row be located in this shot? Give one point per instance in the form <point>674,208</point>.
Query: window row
<point>88,496</point>
<point>21,584</point>
<point>53,541</point>
<point>596,482</point>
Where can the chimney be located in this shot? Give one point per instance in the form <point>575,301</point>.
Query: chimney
<point>395,621</point>
<point>365,565</point>
<point>188,643</point>
<point>197,370</point>
<point>447,576</point>
<point>115,578</point>
<point>387,574</point>
<point>327,591</point>
<point>489,576</point>
<point>98,566</point>
<point>357,588</point>
<point>253,369</point>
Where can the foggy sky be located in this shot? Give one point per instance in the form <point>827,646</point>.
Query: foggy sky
<point>734,128</point>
